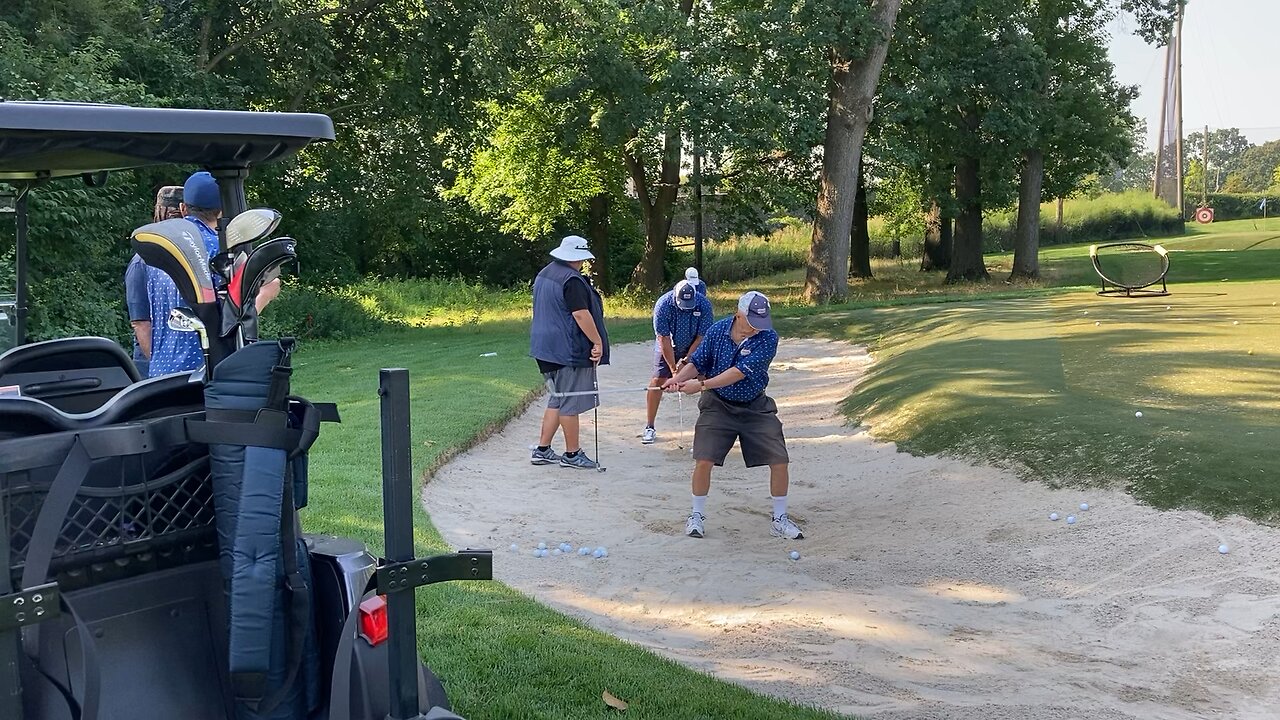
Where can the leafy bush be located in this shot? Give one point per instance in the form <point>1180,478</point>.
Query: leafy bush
<point>1237,206</point>
<point>330,313</point>
<point>1113,216</point>
<point>748,257</point>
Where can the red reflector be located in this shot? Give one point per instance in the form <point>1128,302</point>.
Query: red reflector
<point>373,620</point>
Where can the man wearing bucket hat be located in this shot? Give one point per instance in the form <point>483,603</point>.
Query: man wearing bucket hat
<point>733,364</point>
<point>569,341</point>
<point>681,318</point>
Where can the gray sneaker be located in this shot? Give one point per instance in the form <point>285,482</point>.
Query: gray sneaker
<point>544,457</point>
<point>649,437</point>
<point>578,461</point>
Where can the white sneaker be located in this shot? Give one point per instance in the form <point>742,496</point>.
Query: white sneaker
<point>693,526</point>
<point>784,528</point>
<point>649,437</point>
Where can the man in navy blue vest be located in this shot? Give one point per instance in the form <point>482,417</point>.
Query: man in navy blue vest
<point>569,341</point>
<point>733,364</point>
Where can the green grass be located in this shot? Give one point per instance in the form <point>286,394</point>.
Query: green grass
<point>500,654</point>
<point>1015,374</point>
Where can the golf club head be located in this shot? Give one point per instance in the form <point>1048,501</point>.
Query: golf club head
<point>176,248</point>
<point>221,265</point>
<point>251,226</point>
<point>183,319</point>
<point>262,266</point>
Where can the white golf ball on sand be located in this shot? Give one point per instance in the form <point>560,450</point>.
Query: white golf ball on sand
<point>1071,519</point>
<point>1053,516</point>
<point>537,553</point>
<point>542,546</point>
<point>515,547</point>
<point>1084,506</point>
<point>596,554</point>
<point>1235,322</point>
<point>584,551</point>
<point>1224,549</point>
<point>557,551</point>
<point>1138,414</point>
<point>1095,322</point>
<point>795,554</point>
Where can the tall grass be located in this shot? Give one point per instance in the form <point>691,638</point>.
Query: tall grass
<point>1132,214</point>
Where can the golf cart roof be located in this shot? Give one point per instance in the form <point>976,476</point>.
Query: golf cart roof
<point>40,140</point>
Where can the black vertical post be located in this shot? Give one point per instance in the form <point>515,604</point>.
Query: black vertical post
<point>697,208</point>
<point>20,255</point>
<point>397,508</point>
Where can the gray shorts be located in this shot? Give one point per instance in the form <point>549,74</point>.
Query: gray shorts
<point>573,379</point>
<point>754,424</point>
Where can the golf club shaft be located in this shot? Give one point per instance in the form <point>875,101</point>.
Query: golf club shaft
<point>604,392</point>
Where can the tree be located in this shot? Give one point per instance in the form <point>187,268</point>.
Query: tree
<point>1081,122</point>
<point>1257,165</point>
<point>855,72</point>
<point>1226,149</point>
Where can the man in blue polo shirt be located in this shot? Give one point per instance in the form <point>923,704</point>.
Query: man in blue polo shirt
<point>173,351</point>
<point>681,317</point>
<point>733,363</point>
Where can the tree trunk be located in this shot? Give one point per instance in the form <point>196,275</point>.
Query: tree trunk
<point>937,240</point>
<point>598,232</point>
<point>850,97</point>
<point>966,246</point>
<point>860,238</point>
<point>1026,237</point>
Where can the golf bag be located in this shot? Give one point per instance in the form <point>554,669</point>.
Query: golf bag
<point>258,439</point>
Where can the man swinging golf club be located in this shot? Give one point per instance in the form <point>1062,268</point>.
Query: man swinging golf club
<point>681,318</point>
<point>734,359</point>
<point>569,341</point>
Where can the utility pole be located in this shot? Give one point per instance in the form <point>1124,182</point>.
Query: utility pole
<point>1204,197</point>
<point>1178,104</point>
<point>697,206</point>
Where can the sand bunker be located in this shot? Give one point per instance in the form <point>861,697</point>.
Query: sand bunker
<point>927,587</point>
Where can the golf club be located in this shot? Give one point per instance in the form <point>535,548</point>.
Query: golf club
<point>595,416</point>
<point>579,393</point>
<point>251,226</point>
<point>184,320</point>
<point>175,247</point>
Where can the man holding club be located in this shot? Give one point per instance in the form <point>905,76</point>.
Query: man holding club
<point>681,318</point>
<point>733,364</point>
<point>569,342</point>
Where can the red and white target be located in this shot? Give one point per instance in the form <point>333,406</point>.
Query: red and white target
<point>1204,215</point>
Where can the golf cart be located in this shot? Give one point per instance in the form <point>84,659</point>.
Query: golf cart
<point>156,566</point>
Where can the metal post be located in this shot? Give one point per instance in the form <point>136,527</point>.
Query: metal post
<point>1204,202</point>
<point>20,255</point>
<point>397,508</point>
<point>697,207</point>
<point>1177,93</point>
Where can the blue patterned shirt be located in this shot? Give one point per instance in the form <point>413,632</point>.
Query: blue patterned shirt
<point>682,326</point>
<point>173,351</point>
<point>718,353</point>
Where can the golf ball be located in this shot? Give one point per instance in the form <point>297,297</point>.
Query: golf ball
<point>1084,506</point>
<point>1235,322</point>
<point>1168,307</point>
<point>596,554</point>
<point>1086,312</point>
<point>604,553</point>
<point>557,551</point>
<point>1095,322</point>
<point>1053,516</point>
<point>515,547</point>
<point>1138,414</point>
<point>795,554</point>
<point>537,553</point>
<point>1223,549</point>
<point>1071,519</point>
<point>542,546</point>
<point>584,551</point>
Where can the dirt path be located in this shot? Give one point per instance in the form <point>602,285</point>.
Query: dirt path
<point>927,587</point>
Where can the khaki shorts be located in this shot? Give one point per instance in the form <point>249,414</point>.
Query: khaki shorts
<point>754,424</point>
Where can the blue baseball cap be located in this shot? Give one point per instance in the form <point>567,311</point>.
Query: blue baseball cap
<point>201,191</point>
<point>685,295</point>
<point>755,307</point>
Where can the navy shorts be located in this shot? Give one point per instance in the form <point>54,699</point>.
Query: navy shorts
<point>660,367</point>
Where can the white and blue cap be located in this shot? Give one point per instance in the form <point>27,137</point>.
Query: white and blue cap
<point>685,295</point>
<point>573,249</point>
<point>691,274</point>
<point>755,306</point>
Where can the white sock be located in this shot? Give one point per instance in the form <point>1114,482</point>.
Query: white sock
<point>779,506</point>
<point>700,504</point>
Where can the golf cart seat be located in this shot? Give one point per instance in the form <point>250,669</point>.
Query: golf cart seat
<point>23,416</point>
<point>75,375</point>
